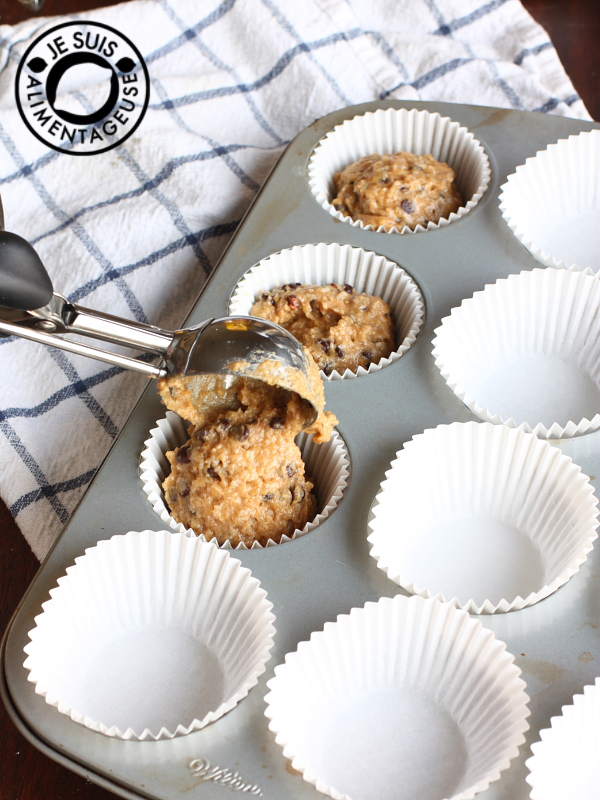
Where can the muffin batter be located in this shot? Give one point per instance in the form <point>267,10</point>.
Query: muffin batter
<point>241,477</point>
<point>342,329</point>
<point>397,190</point>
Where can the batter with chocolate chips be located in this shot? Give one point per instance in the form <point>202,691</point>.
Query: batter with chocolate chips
<point>342,329</point>
<point>240,476</point>
<point>397,190</point>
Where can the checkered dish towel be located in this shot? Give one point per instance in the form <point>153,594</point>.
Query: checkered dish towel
<point>136,230</point>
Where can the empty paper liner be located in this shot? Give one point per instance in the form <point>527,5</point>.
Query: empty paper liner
<point>150,635</point>
<point>552,203</point>
<point>403,699</point>
<point>484,516</point>
<point>327,464</point>
<point>525,352</point>
<point>364,271</point>
<point>392,130</point>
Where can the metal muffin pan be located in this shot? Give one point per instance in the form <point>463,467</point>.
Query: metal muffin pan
<point>311,580</point>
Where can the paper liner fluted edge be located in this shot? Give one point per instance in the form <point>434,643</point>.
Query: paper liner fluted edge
<point>266,620</point>
<point>558,723</point>
<point>504,605</point>
<point>408,309</point>
<point>374,117</point>
<point>171,431</point>
<point>519,714</point>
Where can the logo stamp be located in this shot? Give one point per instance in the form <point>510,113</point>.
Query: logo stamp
<point>82,88</point>
<point>201,768</point>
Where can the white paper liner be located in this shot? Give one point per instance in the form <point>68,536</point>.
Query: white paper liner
<point>565,762</point>
<point>525,352</point>
<point>406,698</point>
<point>150,635</point>
<point>391,131</point>
<point>552,203</point>
<point>321,264</point>
<point>327,464</point>
<point>486,517</point>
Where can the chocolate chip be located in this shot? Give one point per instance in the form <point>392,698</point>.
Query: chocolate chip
<point>348,288</point>
<point>408,207</point>
<point>277,422</point>
<point>293,302</point>
<point>298,494</point>
<point>404,188</point>
<point>202,434</point>
<point>366,354</point>
<point>185,492</point>
<point>183,456</point>
<point>273,303</point>
<point>242,432</point>
<point>385,180</point>
<point>269,496</point>
<point>213,473</point>
<point>290,470</point>
<point>325,344</point>
<point>327,369</point>
<point>265,296</point>
<point>339,352</point>
<point>224,423</point>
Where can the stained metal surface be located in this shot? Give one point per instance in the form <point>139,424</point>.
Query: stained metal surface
<point>327,572</point>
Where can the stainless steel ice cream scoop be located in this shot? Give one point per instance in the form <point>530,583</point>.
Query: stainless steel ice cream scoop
<point>231,346</point>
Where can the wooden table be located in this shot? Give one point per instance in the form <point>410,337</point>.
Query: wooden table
<point>26,774</point>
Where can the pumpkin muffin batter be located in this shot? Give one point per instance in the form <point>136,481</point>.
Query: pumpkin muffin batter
<point>240,477</point>
<point>342,329</point>
<point>397,190</point>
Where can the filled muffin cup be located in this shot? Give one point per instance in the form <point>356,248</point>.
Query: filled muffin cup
<point>565,762</point>
<point>403,697</point>
<point>150,635</point>
<point>486,517</point>
<point>552,203</point>
<point>389,131</point>
<point>321,264</point>
<point>326,464</point>
<point>525,352</point>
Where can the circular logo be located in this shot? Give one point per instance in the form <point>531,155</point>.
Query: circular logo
<point>82,88</point>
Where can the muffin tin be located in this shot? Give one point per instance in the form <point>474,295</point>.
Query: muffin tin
<point>329,571</point>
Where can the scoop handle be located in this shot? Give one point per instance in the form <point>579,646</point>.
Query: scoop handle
<point>24,283</point>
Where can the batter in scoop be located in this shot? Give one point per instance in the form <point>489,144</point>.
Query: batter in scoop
<point>397,190</point>
<point>342,329</point>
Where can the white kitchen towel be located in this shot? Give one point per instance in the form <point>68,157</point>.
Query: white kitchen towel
<point>136,230</point>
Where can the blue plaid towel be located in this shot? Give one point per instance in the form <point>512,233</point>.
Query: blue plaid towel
<point>135,230</point>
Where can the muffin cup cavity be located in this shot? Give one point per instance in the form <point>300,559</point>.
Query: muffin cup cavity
<point>392,130</point>
<point>486,517</point>
<point>525,352</point>
<point>326,464</point>
<point>552,203</point>
<point>134,612</point>
<point>429,684</point>
<point>321,264</point>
